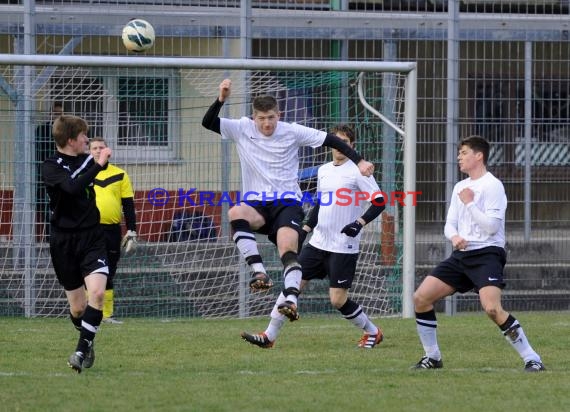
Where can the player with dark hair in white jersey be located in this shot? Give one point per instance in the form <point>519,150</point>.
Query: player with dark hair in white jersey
<point>475,225</point>
<point>334,246</point>
<point>269,155</point>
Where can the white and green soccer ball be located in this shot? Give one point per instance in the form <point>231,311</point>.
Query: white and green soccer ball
<point>138,35</point>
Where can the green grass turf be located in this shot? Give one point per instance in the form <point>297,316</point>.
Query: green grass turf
<point>203,365</point>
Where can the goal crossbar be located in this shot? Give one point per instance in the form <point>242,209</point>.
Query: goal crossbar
<point>205,63</point>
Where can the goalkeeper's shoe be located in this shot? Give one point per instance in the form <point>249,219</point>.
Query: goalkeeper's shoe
<point>89,356</point>
<point>112,320</point>
<point>368,341</point>
<point>259,339</point>
<point>260,281</point>
<point>288,309</point>
<point>428,363</point>
<point>534,366</point>
<point>75,361</point>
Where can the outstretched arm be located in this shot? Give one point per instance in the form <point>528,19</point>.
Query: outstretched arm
<point>211,120</point>
<point>366,168</point>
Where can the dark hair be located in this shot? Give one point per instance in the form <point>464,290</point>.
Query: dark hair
<point>344,129</point>
<point>68,127</point>
<point>264,104</point>
<point>478,144</point>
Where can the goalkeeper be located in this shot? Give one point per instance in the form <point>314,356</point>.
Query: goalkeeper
<point>114,197</point>
<point>334,247</point>
<point>268,150</point>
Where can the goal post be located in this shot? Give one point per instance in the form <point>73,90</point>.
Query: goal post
<point>149,109</point>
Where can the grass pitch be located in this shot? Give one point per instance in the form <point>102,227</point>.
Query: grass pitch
<point>203,365</point>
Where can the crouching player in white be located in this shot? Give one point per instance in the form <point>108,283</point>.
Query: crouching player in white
<point>475,225</point>
<point>334,247</point>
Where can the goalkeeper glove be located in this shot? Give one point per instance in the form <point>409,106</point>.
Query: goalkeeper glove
<point>129,242</point>
<point>352,229</point>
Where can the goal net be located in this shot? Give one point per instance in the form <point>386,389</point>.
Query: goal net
<point>186,177</point>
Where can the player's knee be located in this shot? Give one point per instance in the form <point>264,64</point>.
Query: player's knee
<point>493,311</point>
<point>77,311</point>
<point>337,302</point>
<point>234,214</point>
<point>417,299</point>
<point>420,301</point>
<point>96,296</point>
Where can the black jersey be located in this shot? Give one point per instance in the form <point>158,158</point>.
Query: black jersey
<point>69,183</point>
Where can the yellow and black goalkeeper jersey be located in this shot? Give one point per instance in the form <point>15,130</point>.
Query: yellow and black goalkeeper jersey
<point>112,186</point>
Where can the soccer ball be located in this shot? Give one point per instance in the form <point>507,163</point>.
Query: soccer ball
<point>138,35</point>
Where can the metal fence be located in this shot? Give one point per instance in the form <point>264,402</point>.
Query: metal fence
<point>495,68</point>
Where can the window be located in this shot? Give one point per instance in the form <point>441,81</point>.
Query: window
<point>550,110</point>
<point>130,112</point>
<point>492,109</point>
<point>143,111</point>
<point>499,115</point>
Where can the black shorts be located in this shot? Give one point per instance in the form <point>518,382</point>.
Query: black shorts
<point>77,254</point>
<point>113,242</point>
<point>473,269</point>
<point>318,264</point>
<point>277,214</point>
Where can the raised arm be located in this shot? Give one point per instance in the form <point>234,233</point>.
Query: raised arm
<point>211,120</point>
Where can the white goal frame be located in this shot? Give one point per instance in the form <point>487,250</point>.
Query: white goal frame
<point>409,69</point>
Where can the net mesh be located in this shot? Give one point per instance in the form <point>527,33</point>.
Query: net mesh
<point>185,178</point>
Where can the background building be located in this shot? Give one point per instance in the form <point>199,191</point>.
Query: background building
<point>495,68</point>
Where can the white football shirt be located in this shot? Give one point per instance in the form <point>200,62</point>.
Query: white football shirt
<point>270,165</point>
<point>491,199</point>
<point>337,187</point>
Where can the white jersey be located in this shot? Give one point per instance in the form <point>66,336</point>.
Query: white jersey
<point>337,187</point>
<point>270,165</point>
<point>491,199</point>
